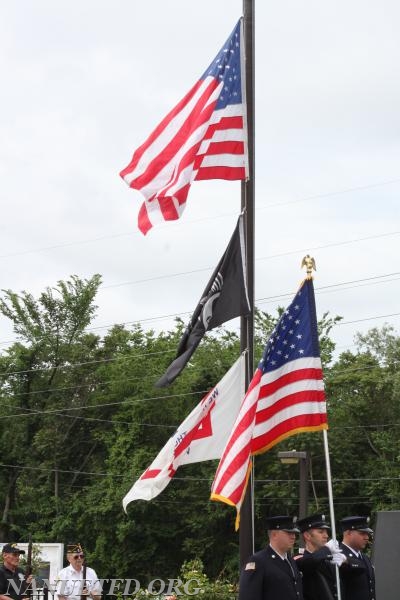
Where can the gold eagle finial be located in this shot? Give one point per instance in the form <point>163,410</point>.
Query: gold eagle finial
<point>309,263</point>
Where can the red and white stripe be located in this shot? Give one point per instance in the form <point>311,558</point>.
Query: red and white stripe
<point>278,404</point>
<point>194,141</point>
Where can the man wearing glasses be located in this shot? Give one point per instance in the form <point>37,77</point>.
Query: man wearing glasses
<point>77,579</point>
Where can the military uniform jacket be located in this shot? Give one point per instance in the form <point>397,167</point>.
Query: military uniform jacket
<point>357,577</point>
<point>266,576</point>
<point>319,577</point>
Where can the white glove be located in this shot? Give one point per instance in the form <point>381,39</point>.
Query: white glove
<point>333,546</point>
<point>338,559</point>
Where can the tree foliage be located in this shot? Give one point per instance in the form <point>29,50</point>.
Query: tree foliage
<point>81,420</point>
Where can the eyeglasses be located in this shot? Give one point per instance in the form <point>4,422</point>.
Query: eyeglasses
<point>79,556</point>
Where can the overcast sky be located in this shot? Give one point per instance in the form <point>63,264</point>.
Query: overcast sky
<point>84,83</point>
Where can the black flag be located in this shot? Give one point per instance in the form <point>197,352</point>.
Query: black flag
<point>224,298</point>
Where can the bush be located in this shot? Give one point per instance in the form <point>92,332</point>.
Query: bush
<point>193,584</point>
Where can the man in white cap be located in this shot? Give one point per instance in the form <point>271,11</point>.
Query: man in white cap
<point>272,574</point>
<point>77,579</point>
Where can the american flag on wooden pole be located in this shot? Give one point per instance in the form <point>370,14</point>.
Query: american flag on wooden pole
<point>203,137</point>
<point>286,396</point>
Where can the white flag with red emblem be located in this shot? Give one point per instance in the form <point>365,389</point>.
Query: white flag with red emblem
<point>202,435</point>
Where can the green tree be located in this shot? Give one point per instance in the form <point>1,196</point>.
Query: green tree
<point>82,420</point>
<point>363,402</point>
<point>36,383</point>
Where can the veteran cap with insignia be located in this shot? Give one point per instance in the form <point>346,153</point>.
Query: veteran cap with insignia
<point>12,549</point>
<point>74,548</point>
<point>283,523</point>
<point>317,521</point>
<point>356,523</point>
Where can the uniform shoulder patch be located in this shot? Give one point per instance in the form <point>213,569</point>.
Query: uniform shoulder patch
<point>250,566</point>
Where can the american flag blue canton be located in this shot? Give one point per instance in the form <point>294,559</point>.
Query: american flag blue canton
<point>226,69</point>
<point>295,335</point>
<point>286,396</point>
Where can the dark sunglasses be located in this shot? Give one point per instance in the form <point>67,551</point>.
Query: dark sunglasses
<point>79,556</point>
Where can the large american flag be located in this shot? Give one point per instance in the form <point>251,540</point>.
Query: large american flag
<point>286,396</point>
<point>203,137</point>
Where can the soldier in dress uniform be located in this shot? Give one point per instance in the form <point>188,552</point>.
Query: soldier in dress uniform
<point>317,562</point>
<point>272,574</point>
<point>358,582</point>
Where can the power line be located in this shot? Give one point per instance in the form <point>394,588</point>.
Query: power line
<point>329,194</point>
<point>62,411</point>
<point>263,300</point>
<point>83,364</point>
<point>327,288</point>
<point>331,245</point>
<point>177,478</point>
<point>328,374</point>
<point>368,319</point>
<point>149,354</point>
<point>189,222</point>
<point>268,257</point>
<point>89,406</point>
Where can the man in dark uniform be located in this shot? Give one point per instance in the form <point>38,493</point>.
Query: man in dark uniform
<point>12,578</point>
<point>317,563</point>
<point>272,574</point>
<point>358,583</point>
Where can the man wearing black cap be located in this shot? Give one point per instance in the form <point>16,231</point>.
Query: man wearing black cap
<point>272,574</point>
<point>358,582</point>
<point>12,578</point>
<point>76,579</point>
<point>317,563</point>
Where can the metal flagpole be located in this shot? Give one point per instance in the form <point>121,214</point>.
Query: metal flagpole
<point>331,509</point>
<point>246,530</point>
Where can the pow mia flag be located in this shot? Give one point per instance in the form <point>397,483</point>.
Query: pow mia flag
<point>224,298</point>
